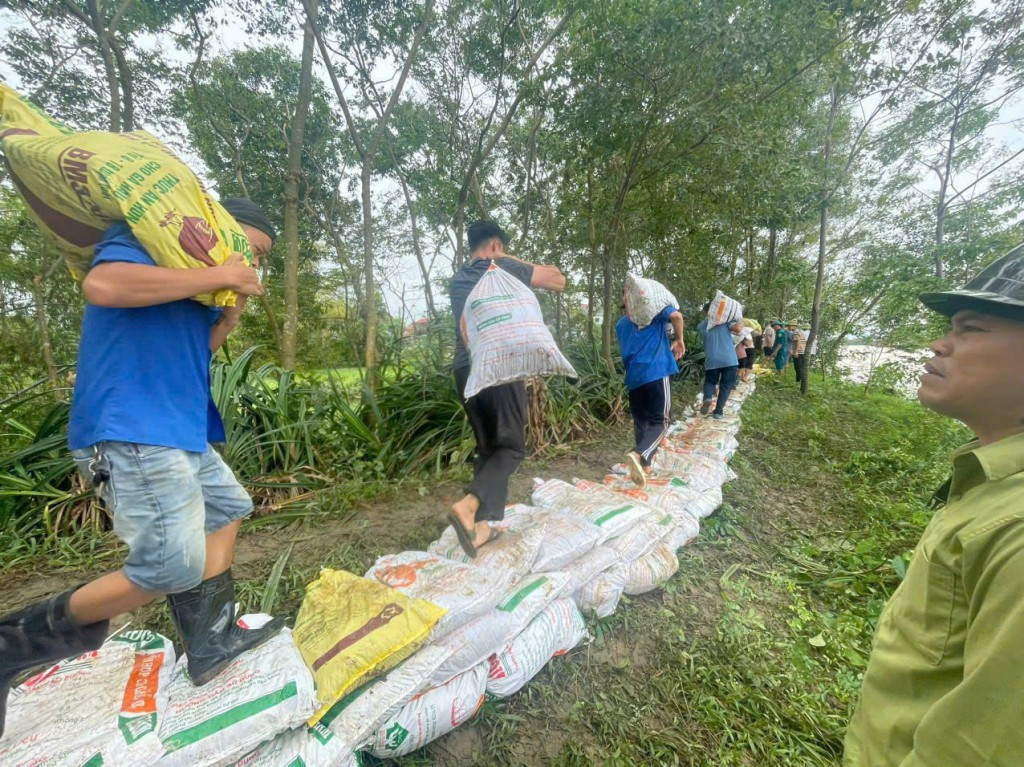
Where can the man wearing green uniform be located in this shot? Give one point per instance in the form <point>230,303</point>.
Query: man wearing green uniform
<point>946,676</point>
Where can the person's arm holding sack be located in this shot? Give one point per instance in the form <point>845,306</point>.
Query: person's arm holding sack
<point>131,284</point>
<point>543,277</point>
<point>676,318</point>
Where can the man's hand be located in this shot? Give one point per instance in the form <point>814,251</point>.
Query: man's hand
<point>678,349</point>
<point>240,277</point>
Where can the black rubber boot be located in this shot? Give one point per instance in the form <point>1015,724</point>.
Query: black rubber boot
<point>205,619</point>
<point>41,634</point>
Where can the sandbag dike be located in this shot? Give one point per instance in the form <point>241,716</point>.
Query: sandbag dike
<point>413,649</point>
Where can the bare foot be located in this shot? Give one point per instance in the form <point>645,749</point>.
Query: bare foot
<point>483,534</point>
<point>465,510</point>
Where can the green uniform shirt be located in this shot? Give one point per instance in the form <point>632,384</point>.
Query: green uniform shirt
<point>945,682</point>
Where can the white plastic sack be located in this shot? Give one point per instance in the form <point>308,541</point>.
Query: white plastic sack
<point>430,715</point>
<point>646,299</point>
<point>505,334</point>
<point>104,707</point>
<point>588,567</point>
<point>355,717</point>
<point>465,591</point>
<point>260,694</point>
<point>472,643</point>
<point>558,629</point>
<point>301,747</point>
<point>566,537</point>
<point>651,571</point>
<point>599,597</point>
<point>514,553</point>
<point>724,310</point>
<point>697,472</point>
<point>613,515</point>
<point>642,537</point>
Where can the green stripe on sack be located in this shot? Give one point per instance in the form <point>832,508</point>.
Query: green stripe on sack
<point>95,761</point>
<point>611,515</point>
<point>222,721</point>
<point>516,599</point>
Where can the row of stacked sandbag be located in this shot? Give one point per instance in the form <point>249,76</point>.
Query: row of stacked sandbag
<point>334,687</point>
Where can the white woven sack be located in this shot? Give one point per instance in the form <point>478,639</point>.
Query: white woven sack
<point>301,747</point>
<point>514,553</point>
<point>642,537</point>
<point>505,334</point>
<point>465,591</point>
<point>104,707</point>
<point>599,597</point>
<point>651,571</point>
<point>557,629</point>
<point>430,715</point>
<point>259,695</point>
<point>613,514</point>
<point>354,718</point>
<point>475,641</point>
<point>646,299</point>
<point>566,537</point>
<point>724,310</point>
<point>697,472</point>
<point>588,567</point>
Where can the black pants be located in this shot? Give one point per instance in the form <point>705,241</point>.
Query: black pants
<point>498,417</point>
<point>725,380</point>
<point>798,366</point>
<point>650,405</point>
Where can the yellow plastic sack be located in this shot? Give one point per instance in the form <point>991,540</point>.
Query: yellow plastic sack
<point>77,184</point>
<point>351,629</point>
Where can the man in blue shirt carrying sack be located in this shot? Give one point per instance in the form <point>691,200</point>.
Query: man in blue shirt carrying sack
<point>720,364</point>
<point>650,359</point>
<point>142,423</point>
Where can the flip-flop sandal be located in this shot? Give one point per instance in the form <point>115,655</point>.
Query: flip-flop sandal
<point>495,534</point>
<point>465,536</point>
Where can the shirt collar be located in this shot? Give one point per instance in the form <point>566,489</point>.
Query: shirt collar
<point>974,464</point>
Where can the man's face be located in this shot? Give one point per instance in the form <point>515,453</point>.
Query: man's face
<point>977,373</point>
<point>260,244</point>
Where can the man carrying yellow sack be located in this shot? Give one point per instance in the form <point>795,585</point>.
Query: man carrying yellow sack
<point>142,423</point>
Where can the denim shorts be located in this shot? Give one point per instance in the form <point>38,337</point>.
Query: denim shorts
<point>165,502</point>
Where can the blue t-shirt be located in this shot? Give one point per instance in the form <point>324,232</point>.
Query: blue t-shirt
<point>144,374</point>
<point>646,352</point>
<point>719,349</point>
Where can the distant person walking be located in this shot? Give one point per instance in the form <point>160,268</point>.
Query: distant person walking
<point>498,414</point>
<point>946,672</point>
<point>650,360</point>
<point>779,353</point>
<point>768,338</point>
<point>720,365</point>
<point>745,353</point>
<point>797,346</point>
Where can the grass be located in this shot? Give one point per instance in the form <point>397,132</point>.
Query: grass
<point>754,652</point>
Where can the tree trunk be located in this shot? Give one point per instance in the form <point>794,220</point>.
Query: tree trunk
<point>592,271</point>
<point>289,340</point>
<point>819,285</point>
<point>108,64</point>
<point>940,206</point>
<point>606,320</point>
<point>370,291</point>
<point>43,326</point>
<point>124,74</point>
<point>417,246</point>
<point>768,273</point>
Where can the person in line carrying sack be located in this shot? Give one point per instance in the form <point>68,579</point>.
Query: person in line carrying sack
<point>768,338</point>
<point>720,364</point>
<point>745,353</point>
<point>797,346</point>
<point>946,671</point>
<point>142,420</point>
<point>650,360</point>
<point>779,352</point>
<point>496,414</point>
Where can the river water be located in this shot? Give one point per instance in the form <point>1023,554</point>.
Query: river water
<point>860,361</point>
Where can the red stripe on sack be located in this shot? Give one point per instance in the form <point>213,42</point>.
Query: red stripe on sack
<point>383,618</point>
<point>64,226</point>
